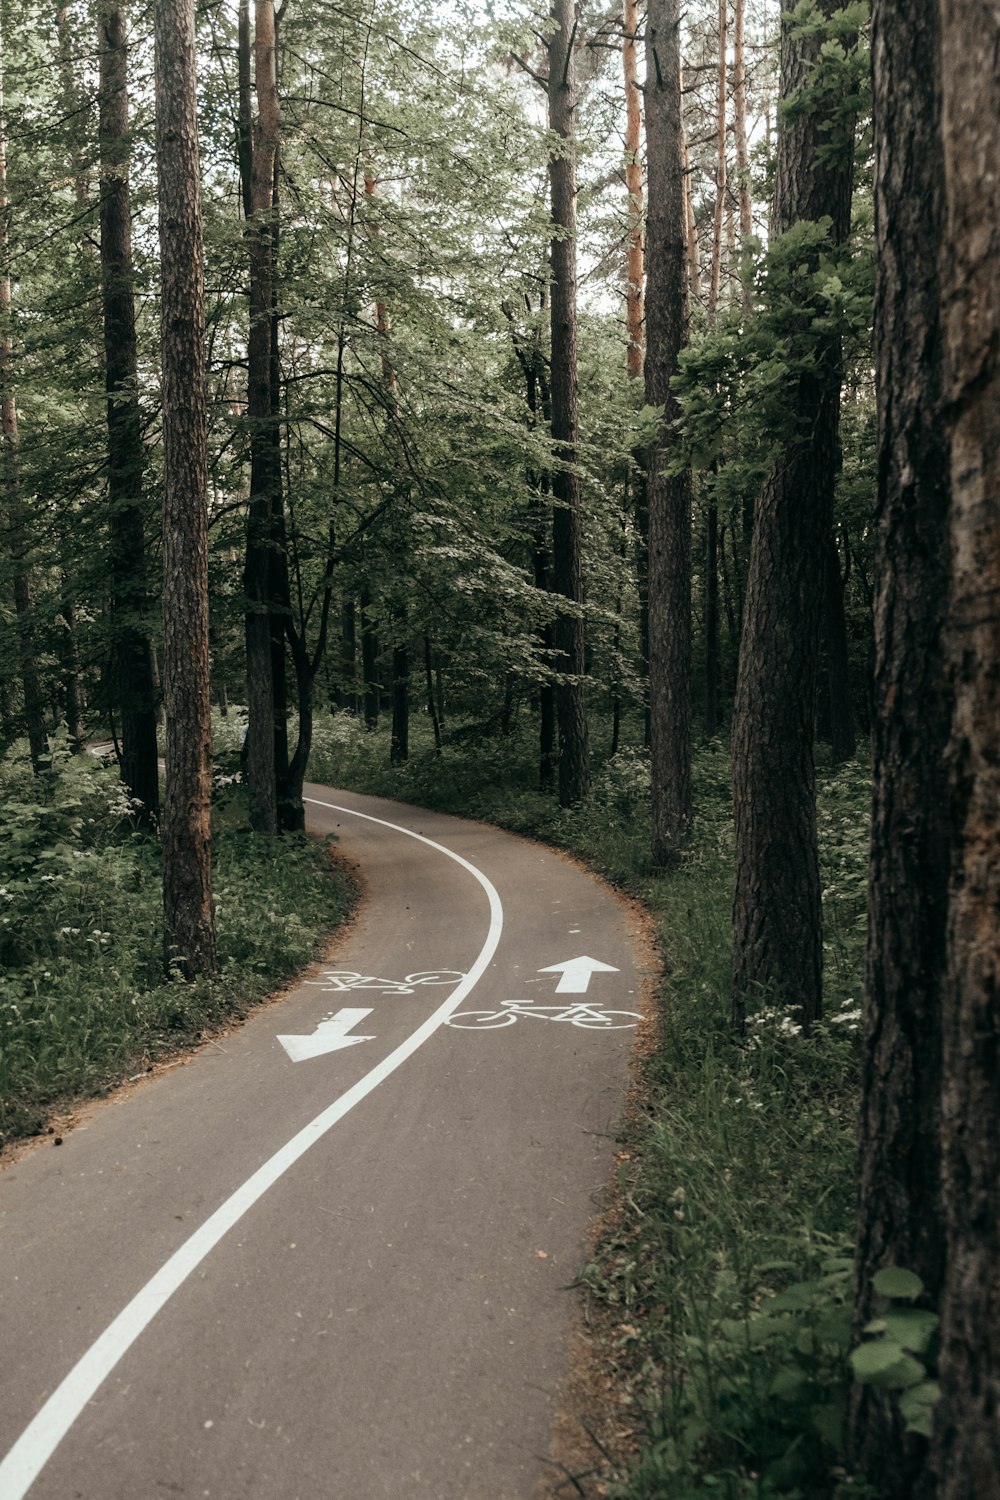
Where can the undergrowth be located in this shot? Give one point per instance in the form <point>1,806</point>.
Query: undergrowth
<point>83,1001</point>
<point>724,1278</point>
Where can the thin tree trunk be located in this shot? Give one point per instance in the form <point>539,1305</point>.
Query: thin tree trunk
<point>399,749</point>
<point>130,603</point>
<point>842,741</point>
<point>75,109</point>
<point>567,529</point>
<point>967,1422</point>
<point>431,703</point>
<point>740,134</point>
<point>74,692</point>
<point>633,184</point>
<point>369,660</point>
<point>265,474</point>
<point>349,656</point>
<point>189,924</point>
<point>690,226</point>
<point>720,167</point>
<point>898,1196</point>
<point>669,495</point>
<point>777,920</point>
<point>16,519</point>
<point>712,619</point>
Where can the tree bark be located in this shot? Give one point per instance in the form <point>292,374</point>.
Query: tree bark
<point>567,529</point>
<point>369,660</point>
<point>24,609</point>
<point>399,749</point>
<point>634,310</point>
<point>740,134</point>
<point>130,603</point>
<point>349,657</point>
<point>712,619</point>
<point>720,166</point>
<point>432,707</point>
<point>898,1204</point>
<point>189,924</point>
<point>668,495</point>
<point>967,1422</point>
<point>265,473</point>
<point>777,920</point>
<point>842,741</point>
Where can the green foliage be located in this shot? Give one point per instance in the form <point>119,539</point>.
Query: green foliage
<point>901,1352</point>
<point>82,998</point>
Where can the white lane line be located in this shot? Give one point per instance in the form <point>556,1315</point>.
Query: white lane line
<point>43,1435</point>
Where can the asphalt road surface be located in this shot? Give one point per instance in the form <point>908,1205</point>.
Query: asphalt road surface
<point>327,1257</point>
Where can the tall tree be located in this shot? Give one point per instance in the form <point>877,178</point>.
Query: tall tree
<point>131,675</point>
<point>567,526</point>
<point>16,522</point>
<point>669,493</point>
<point>715,279</point>
<point>967,1424</point>
<point>740,135</point>
<point>777,919</point>
<point>265,470</point>
<point>899,1205</point>
<point>635,311</point>
<point>189,922</point>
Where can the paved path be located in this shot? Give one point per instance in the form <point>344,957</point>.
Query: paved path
<point>306,1267</point>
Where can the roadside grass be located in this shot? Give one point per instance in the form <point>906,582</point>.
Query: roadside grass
<point>722,1279</point>
<point>83,1002</point>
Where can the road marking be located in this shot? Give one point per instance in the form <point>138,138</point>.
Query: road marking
<point>42,1436</point>
<point>330,1036</point>
<point>576,974</point>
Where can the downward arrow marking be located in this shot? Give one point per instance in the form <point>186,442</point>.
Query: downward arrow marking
<point>576,974</point>
<point>329,1036</point>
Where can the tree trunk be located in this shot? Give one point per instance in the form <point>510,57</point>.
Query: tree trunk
<point>74,689</point>
<point>349,657</point>
<point>634,311</point>
<point>842,741</point>
<point>967,1422</point>
<point>668,495</point>
<point>399,750</point>
<point>74,693</point>
<point>130,604</point>
<point>265,474</point>
<point>189,925</point>
<point>431,702</point>
<point>777,922</point>
<point>899,1154</point>
<point>720,167</point>
<point>17,524</point>
<point>567,531</point>
<point>740,133</point>
<point>369,660</point>
<point>712,620</point>
<point>690,226</point>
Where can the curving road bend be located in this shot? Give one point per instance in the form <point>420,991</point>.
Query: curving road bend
<point>327,1257</point>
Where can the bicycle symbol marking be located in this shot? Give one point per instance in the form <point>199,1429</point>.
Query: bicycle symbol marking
<point>589,1017</point>
<point>338,981</point>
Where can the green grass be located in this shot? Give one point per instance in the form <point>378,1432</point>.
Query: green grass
<point>83,1001</point>
<point>723,1279</point>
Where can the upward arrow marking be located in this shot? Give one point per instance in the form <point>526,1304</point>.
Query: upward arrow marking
<point>576,974</point>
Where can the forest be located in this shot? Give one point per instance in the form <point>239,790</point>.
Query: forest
<point>585,418</point>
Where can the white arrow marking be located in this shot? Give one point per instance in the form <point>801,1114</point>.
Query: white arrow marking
<point>576,974</point>
<point>329,1036</point>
